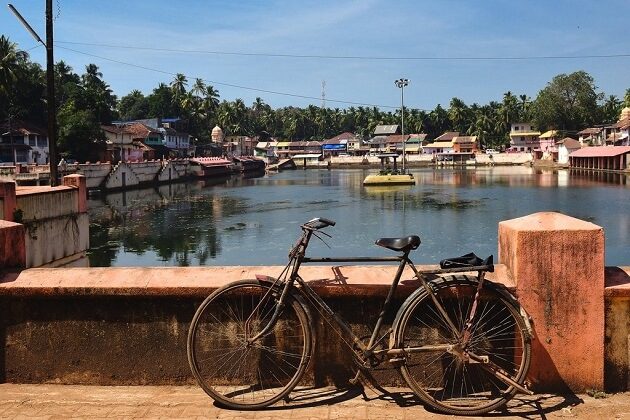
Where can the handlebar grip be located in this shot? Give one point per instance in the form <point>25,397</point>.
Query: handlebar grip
<point>327,221</point>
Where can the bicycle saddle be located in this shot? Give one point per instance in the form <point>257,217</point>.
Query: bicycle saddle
<point>400,244</point>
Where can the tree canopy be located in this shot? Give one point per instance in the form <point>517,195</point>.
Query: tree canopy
<point>569,102</point>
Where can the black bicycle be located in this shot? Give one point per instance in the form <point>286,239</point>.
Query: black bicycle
<point>461,342</point>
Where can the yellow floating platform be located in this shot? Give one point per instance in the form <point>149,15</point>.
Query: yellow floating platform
<point>405,179</point>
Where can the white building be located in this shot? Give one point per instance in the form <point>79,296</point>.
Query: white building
<point>23,143</point>
<point>523,138</point>
<point>566,146</point>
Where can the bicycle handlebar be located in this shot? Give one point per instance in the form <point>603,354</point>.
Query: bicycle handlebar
<point>318,223</point>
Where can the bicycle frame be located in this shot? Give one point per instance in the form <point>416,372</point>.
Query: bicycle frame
<point>297,257</point>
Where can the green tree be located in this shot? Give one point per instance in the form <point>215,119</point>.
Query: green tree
<point>568,102</point>
<point>611,109</point>
<point>133,106</point>
<point>626,98</point>
<point>80,135</point>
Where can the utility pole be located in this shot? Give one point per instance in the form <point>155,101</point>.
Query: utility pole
<point>50,88</point>
<point>50,85</point>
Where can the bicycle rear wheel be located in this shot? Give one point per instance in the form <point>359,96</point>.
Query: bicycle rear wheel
<point>248,376</point>
<point>441,377</point>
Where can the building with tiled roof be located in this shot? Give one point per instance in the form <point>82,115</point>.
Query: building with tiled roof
<point>23,143</point>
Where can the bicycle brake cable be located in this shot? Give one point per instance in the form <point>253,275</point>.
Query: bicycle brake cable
<point>316,234</point>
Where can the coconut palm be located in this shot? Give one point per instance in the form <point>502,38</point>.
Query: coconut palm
<point>178,86</point>
<point>199,87</point>
<point>12,61</point>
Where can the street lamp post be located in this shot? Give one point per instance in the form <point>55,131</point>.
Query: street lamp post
<point>401,83</point>
<point>50,85</point>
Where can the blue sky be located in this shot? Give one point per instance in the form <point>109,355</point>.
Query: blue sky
<point>444,28</point>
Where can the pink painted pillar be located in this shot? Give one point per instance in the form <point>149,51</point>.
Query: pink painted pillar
<point>557,264</point>
<point>12,245</point>
<point>7,195</point>
<point>79,182</point>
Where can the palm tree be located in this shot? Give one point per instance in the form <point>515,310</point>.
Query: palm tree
<point>199,87</point>
<point>178,86</point>
<point>12,62</point>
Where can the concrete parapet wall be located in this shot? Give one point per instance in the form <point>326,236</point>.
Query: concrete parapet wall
<point>122,176</point>
<point>116,326</point>
<point>146,171</point>
<point>95,173</point>
<point>54,220</point>
<point>38,203</point>
<point>53,239</point>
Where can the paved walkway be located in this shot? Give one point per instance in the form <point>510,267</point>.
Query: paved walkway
<point>70,401</point>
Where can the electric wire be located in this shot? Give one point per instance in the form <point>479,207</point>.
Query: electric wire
<point>356,57</point>
<point>214,82</point>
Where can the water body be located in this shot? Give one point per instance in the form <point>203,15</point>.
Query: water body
<point>254,221</point>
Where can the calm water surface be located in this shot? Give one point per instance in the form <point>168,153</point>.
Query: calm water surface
<point>254,221</point>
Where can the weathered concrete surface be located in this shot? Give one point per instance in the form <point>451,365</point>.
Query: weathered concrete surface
<point>557,264</point>
<point>7,200</point>
<point>80,183</point>
<point>95,173</point>
<point>617,355</point>
<point>63,401</point>
<point>53,239</point>
<point>121,326</point>
<point>121,176</point>
<point>12,246</point>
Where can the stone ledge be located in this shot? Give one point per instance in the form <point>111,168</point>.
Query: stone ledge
<point>200,281</point>
<point>617,281</point>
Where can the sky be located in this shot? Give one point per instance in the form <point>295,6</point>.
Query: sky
<point>365,28</point>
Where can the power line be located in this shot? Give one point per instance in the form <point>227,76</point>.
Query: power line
<point>356,57</point>
<point>214,82</point>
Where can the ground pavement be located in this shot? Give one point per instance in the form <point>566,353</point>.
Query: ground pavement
<point>70,401</point>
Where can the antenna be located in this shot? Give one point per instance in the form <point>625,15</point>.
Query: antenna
<point>323,94</point>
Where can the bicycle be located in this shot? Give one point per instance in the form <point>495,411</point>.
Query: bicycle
<point>461,343</point>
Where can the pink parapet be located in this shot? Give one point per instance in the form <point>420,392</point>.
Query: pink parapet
<point>557,265</point>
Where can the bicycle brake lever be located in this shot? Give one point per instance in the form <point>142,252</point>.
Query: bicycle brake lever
<point>318,237</point>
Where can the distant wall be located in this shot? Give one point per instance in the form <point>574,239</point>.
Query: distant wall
<point>54,219</point>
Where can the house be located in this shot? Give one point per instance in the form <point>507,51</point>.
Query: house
<point>523,138</point>
<point>352,142</point>
<point>120,143</point>
<point>336,145</point>
<point>266,149</point>
<point>442,144</point>
<point>548,147</point>
<point>620,134</point>
<point>465,144</point>
<point>23,143</point>
<point>414,143</point>
<point>149,136</point>
<point>177,141</point>
<point>565,147</point>
<point>282,149</point>
<point>592,136</point>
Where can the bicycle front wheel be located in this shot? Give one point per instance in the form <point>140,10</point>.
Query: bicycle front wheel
<point>438,372</point>
<point>242,375</point>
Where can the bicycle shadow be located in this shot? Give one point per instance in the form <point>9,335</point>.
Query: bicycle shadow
<point>525,407</point>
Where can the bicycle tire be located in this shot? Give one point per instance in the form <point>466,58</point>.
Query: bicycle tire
<point>445,381</point>
<point>241,376</point>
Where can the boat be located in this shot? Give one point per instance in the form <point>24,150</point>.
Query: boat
<point>389,176</point>
<point>203,167</point>
<point>248,164</point>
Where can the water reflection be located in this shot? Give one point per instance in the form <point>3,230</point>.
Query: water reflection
<point>254,220</point>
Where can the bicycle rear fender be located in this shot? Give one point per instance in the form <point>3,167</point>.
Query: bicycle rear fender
<point>497,287</point>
